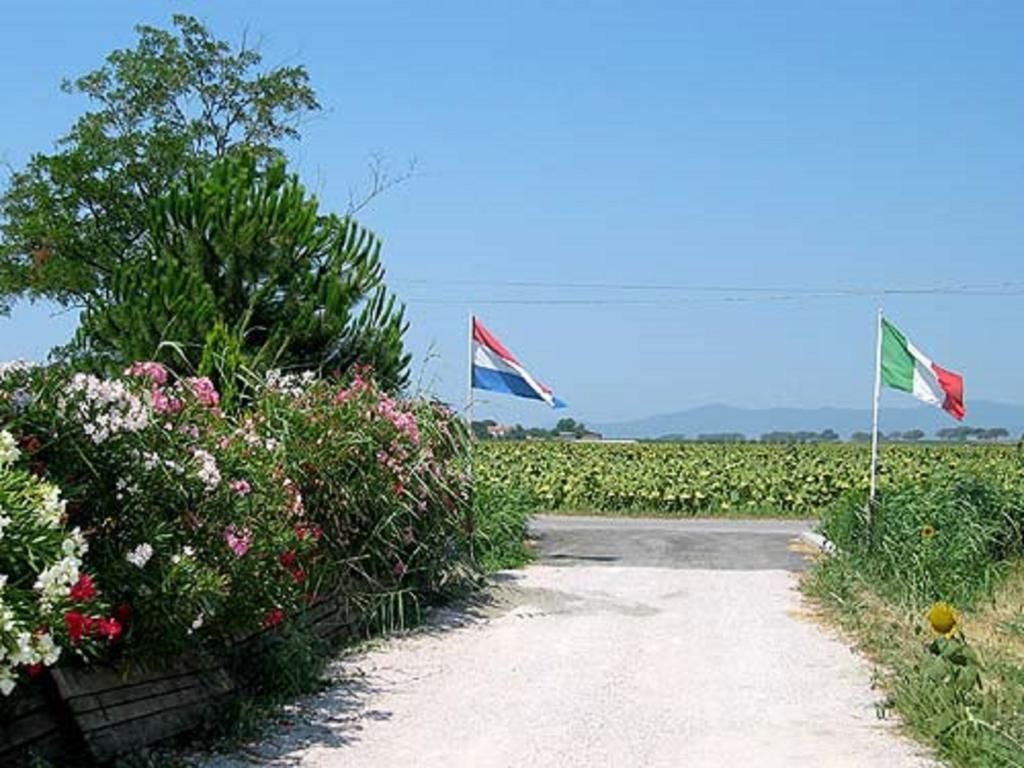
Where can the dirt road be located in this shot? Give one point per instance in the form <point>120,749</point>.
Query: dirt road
<point>631,643</point>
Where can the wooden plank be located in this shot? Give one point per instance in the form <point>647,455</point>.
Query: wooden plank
<point>72,682</point>
<point>109,742</point>
<point>82,705</point>
<point>117,714</point>
<point>28,726</point>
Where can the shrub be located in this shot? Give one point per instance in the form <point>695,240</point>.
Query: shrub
<point>48,602</point>
<point>204,527</point>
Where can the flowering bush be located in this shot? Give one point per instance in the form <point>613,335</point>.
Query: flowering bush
<point>48,603</point>
<point>203,526</point>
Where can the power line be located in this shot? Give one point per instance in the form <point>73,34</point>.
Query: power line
<point>684,300</point>
<point>1008,288</point>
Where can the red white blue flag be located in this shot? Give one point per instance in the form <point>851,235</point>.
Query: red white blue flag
<point>495,369</point>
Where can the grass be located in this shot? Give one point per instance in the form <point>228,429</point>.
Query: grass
<point>957,541</point>
<point>501,517</point>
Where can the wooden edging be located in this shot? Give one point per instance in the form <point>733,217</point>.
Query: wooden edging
<point>104,711</point>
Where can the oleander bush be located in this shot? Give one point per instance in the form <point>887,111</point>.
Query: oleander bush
<point>48,603</point>
<point>199,527</point>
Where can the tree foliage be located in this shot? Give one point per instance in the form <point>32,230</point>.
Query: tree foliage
<point>176,101</point>
<point>240,271</point>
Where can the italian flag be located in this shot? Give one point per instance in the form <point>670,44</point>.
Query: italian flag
<point>907,368</point>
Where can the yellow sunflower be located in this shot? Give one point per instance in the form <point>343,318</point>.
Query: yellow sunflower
<point>928,532</point>
<point>943,619</point>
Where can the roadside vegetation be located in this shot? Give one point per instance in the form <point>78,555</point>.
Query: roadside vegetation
<point>227,445</point>
<point>931,588</point>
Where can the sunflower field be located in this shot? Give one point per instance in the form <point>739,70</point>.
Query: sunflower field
<point>716,479</point>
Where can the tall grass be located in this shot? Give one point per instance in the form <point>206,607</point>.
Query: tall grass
<point>953,537</point>
<point>948,538</point>
<point>501,516</point>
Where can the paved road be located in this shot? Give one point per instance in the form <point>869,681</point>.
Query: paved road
<point>731,545</point>
<point>631,643</point>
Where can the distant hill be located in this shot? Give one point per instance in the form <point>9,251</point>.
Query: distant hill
<point>753,422</point>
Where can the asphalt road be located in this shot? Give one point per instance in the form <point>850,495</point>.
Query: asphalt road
<point>729,545</point>
<point>646,643</point>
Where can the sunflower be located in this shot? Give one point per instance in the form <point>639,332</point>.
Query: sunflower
<point>943,619</point>
<point>928,532</point>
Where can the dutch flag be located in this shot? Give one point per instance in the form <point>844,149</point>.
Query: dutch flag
<point>495,369</point>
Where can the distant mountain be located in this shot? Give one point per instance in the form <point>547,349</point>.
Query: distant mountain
<point>753,422</point>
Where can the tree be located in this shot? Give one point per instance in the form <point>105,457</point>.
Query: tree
<point>996,433</point>
<point>913,435</point>
<point>240,271</point>
<point>174,103</point>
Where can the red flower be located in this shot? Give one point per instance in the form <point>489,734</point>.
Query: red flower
<point>108,628</point>
<point>123,612</point>
<point>273,617</point>
<point>303,530</point>
<point>83,590</point>
<point>287,559</point>
<point>298,575</point>
<point>35,669</point>
<point>30,444</point>
<point>78,625</point>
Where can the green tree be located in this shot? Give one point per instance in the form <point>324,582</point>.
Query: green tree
<point>240,271</point>
<point>175,102</point>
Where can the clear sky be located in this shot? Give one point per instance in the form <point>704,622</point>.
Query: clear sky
<point>782,145</point>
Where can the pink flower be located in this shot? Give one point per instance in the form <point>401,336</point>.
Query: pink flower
<point>205,392</point>
<point>241,487</point>
<point>164,403</point>
<point>150,370</point>
<point>238,539</point>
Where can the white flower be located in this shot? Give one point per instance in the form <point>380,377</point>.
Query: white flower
<point>4,522</point>
<point>51,506</point>
<point>15,366</point>
<point>75,544</point>
<point>56,580</point>
<point>23,653</point>
<point>140,555</point>
<point>7,624</point>
<point>207,473</point>
<point>188,551</point>
<point>198,621</point>
<point>8,448</point>
<point>6,681</point>
<point>103,407</point>
<point>48,651</point>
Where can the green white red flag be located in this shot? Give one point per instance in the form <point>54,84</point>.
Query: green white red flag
<point>907,368</point>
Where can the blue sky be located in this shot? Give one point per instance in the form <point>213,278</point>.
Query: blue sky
<point>740,144</point>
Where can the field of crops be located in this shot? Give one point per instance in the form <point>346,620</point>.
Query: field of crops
<point>720,479</point>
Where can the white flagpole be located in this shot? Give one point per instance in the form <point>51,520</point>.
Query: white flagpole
<point>874,421</point>
<point>469,378</point>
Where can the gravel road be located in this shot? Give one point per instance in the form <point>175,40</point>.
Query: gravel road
<point>631,643</point>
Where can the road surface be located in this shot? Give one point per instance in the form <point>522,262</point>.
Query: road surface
<point>630,643</point>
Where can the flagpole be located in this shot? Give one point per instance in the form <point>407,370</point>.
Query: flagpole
<point>874,417</point>
<point>469,377</point>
